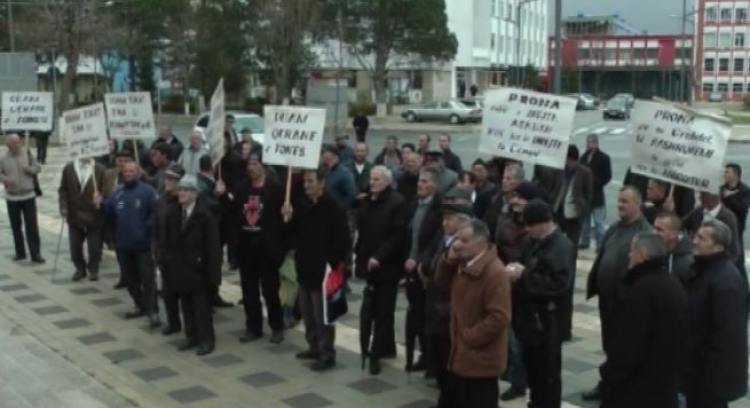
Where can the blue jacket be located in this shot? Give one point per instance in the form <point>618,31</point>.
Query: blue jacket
<point>131,208</point>
<point>340,186</point>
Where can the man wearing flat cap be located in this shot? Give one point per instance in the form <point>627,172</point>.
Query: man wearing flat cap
<point>448,178</point>
<point>193,264</point>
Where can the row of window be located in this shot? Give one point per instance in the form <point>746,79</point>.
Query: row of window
<point>738,65</point>
<point>714,14</point>
<point>507,44</point>
<point>725,40</point>
<point>724,87</point>
<point>626,54</point>
<point>506,11</point>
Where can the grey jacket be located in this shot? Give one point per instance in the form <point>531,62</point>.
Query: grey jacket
<point>18,182</point>
<point>190,160</point>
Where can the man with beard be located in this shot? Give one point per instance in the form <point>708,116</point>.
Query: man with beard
<point>651,329</point>
<point>258,203</point>
<point>541,283</point>
<point>716,368</point>
<point>406,184</point>
<point>80,179</point>
<point>679,246</point>
<point>130,207</point>
<point>380,257</point>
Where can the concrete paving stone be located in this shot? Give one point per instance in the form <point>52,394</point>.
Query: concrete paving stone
<point>90,290</point>
<point>585,308</point>
<point>155,374</point>
<point>220,318</point>
<point>307,400</point>
<point>120,356</point>
<point>283,348</point>
<point>106,302</point>
<point>371,386</point>
<point>263,379</point>
<point>50,310</point>
<point>222,360</point>
<point>4,277</point>
<point>14,287</point>
<point>74,323</point>
<point>419,404</point>
<point>36,297</point>
<point>192,395</point>
<point>96,338</point>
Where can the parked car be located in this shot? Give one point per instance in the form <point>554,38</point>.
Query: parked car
<point>617,108</point>
<point>476,102</point>
<point>241,120</point>
<point>452,111</point>
<point>715,97</point>
<point>629,98</point>
<point>585,101</point>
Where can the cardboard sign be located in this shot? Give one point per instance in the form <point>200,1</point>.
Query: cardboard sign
<point>679,146</point>
<point>216,121</point>
<point>527,126</point>
<point>27,111</point>
<point>130,115</point>
<point>294,136</point>
<point>85,131</point>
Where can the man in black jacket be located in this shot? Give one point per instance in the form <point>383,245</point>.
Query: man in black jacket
<point>679,246</point>
<point>380,258</point>
<point>452,161</point>
<point>320,238</point>
<point>361,124</point>
<point>166,136</point>
<point>194,263</point>
<point>541,282</point>
<point>712,208</point>
<point>735,195</point>
<point>657,200</point>
<point>261,250</point>
<point>651,328</point>
<point>716,367</point>
<point>601,170</point>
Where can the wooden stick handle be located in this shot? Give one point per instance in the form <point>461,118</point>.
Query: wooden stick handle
<point>288,193</point>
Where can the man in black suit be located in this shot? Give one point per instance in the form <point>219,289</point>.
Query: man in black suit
<point>601,171</point>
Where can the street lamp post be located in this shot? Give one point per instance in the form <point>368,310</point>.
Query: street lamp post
<point>682,54</point>
<point>11,30</point>
<point>518,77</point>
<point>557,77</point>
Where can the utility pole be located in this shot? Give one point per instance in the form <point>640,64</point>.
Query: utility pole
<point>11,30</point>
<point>557,74</point>
<point>340,19</point>
<point>517,57</point>
<point>682,89</point>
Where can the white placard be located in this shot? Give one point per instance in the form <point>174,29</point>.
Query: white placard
<point>294,136</point>
<point>527,126</point>
<point>85,131</point>
<point>27,111</point>
<point>216,122</point>
<point>679,146</point>
<point>130,115</point>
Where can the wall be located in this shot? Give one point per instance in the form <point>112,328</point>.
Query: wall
<point>17,71</point>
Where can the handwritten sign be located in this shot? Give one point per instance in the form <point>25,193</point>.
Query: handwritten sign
<point>85,131</point>
<point>527,126</point>
<point>216,121</point>
<point>293,136</point>
<point>27,111</point>
<point>679,146</point>
<point>130,115</point>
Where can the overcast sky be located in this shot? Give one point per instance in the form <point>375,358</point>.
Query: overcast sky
<point>650,15</point>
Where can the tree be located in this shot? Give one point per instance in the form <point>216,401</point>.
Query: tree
<point>380,29</point>
<point>279,37</point>
<point>530,77</point>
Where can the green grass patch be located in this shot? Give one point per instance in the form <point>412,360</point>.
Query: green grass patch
<point>738,119</point>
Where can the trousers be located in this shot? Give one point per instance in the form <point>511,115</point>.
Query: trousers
<point>543,364</point>
<point>384,307</point>
<point>23,217</point>
<point>320,337</point>
<point>197,314</point>
<point>138,274</point>
<point>94,240</point>
<point>440,350</point>
<point>259,274</point>
<point>474,392</point>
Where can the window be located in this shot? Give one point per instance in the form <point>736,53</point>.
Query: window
<point>708,65</point>
<point>726,15</point>
<point>710,14</point>
<point>494,7</point>
<point>739,64</point>
<point>708,87</point>
<point>723,87</point>
<point>416,79</point>
<point>739,39</point>
<point>501,43</point>
<point>724,40</point>
<point>624,55</point>
<point>652,53</point>
<point>709,40</point>
<point>740,15</point>
<point>723,64</point>
<point>737,88</point>
<point>510,11</point>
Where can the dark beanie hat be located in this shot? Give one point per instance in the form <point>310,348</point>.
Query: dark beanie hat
<point>537,212</point>
<point>526,190</point>
<point>327,147</point>
<point>573,152</point>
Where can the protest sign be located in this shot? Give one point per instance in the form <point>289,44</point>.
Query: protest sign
<point>27,111</point>
<point>130,115</point>
<point>679,146</point>
<point>216,121</point>
<point>527,126</point>
<point>85,131</point>
<point>295,134</point>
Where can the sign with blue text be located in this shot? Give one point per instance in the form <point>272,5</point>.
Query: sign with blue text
<point>527,126</point>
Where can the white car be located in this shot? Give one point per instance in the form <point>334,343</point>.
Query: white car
<point>241,120</point>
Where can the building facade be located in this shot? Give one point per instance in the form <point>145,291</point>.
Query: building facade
<point>601,58</point>
<point>723,49</point>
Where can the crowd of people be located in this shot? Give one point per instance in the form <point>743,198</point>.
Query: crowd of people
<point>485,255</point>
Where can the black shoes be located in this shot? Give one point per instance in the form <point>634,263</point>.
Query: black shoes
<point>512,393</point>
<point>38,259</point>
<point>79,275</point>
<point>323,364</point>
<point>277,337</point>
<point>250,337</point>
<point>205,349</point>
<point>375,367</point>
<point>308,355</point>
<point>137,313</point>
<point>18,258</point>
<point>153,321</point>
<point>93,277</point>
<point>119,285</point>
<point>170,330</point>
<point>593,395</point>
<point>187,345</point>
<point>221,303</point>
<point>420,365</point>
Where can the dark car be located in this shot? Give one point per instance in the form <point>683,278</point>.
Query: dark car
<point>617,108</point>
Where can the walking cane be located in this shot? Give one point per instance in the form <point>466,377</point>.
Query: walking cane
<point>57,251</point>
